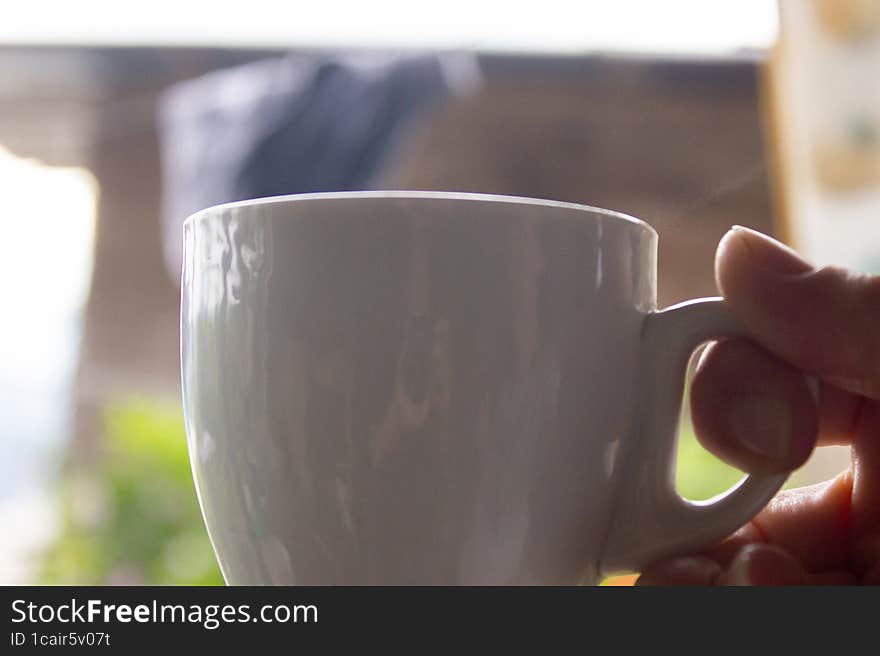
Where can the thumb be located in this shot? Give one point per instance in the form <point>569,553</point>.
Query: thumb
<point>825,321</point>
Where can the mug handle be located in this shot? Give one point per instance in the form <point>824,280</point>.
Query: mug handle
<point>650,520</point>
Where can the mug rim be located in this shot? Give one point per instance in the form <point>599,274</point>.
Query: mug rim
<point>423,195</point>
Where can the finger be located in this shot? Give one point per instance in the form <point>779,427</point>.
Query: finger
<point>832,526</point>
<point>812,524</point>
<point>726,551</point>
<point>688,570</point>
<point>823,321</point>
<point>865,512</point>
<point>872,576</point>
<point>751,409</point>
<point>833,578</point>
<point>763,564</point>
<point>839,413</point>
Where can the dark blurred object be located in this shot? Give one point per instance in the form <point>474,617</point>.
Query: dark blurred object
<point>294,124</point>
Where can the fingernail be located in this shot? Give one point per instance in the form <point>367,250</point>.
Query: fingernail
<point>763,251</point>
<point>763,425</point>
<point>738,573</point>
<point>763,564</point>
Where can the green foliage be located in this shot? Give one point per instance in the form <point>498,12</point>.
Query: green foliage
<point>699,474</point>
<point>131,515</point>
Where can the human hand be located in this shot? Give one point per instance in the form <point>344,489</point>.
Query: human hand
<point>751,407</point>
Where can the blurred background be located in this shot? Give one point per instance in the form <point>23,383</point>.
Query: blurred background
<point>117,120</point>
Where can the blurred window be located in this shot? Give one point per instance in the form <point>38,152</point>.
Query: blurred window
<point>671,26</point>
<point>48,231</point>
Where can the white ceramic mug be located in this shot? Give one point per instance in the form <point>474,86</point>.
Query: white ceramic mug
<point>438,388</point>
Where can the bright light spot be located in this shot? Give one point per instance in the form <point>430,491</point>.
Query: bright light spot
<point>47,223</point>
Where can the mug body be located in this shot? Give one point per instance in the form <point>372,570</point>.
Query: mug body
<point>410,387</point>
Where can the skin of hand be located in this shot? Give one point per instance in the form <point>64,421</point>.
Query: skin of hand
<point>752,408</point>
